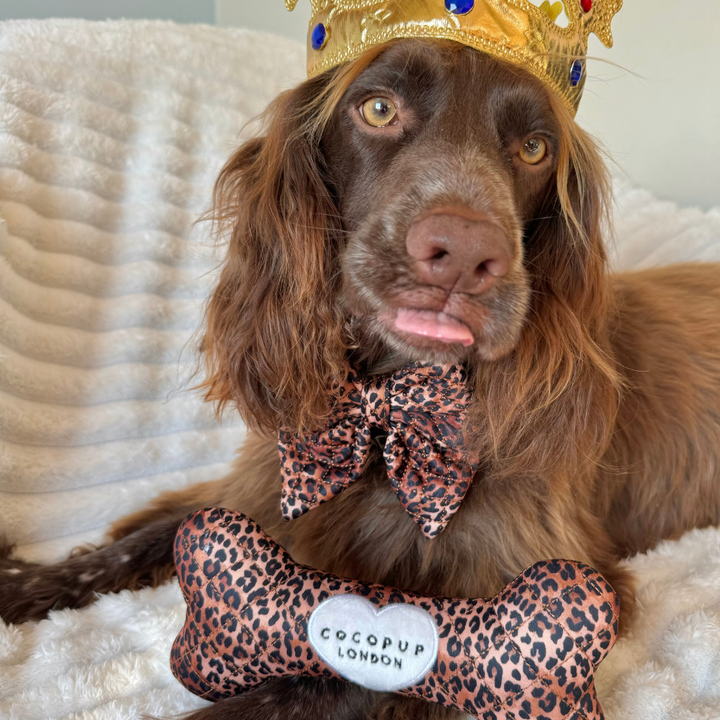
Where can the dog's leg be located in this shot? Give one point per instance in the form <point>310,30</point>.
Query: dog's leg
<point>174,505</point>
<point>294,699</point>
<point>28,591</point>
<point>388,707</point>
<point>312,698</point>
<point>142,554</point>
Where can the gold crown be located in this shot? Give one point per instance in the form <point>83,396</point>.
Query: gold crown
<point>547,38</point>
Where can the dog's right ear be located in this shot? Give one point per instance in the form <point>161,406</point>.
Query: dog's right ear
<point>274,343</point>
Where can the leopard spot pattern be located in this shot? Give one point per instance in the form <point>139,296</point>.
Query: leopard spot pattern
<point>528,654</point>
<point>421,410</point>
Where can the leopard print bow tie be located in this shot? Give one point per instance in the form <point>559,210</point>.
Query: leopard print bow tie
<point>421,410</point>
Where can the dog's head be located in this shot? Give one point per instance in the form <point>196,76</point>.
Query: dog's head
<point>426,202</point>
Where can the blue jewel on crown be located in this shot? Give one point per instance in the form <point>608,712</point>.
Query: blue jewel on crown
<point>576,72</point>
<point>319,37</point>
<point>459,7</point>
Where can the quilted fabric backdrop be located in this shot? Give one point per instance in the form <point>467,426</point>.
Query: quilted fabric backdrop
<point>111,135</point>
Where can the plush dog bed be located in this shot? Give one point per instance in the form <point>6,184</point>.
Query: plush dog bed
<point>110,137</point>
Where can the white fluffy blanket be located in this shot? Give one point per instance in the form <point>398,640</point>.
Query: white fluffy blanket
<point>110,136</point>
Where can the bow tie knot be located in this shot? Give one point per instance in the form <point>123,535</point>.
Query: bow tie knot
<point>421,410</point>
<point>374,400</point>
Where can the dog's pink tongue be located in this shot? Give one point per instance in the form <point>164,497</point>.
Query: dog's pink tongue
<point>436,325</point>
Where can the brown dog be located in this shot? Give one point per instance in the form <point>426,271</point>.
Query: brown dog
<point>428,202</point>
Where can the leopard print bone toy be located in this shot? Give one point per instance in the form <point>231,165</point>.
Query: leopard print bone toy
<point>254,614</point>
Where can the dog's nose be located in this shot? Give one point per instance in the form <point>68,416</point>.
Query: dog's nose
<point>458,254</point>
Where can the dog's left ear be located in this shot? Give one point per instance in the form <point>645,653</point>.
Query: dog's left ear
<point>274,337</point>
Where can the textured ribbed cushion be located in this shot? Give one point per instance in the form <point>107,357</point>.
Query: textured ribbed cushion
<point>111,135</point>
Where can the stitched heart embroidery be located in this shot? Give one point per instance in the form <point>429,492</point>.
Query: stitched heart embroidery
<point>383,650</point>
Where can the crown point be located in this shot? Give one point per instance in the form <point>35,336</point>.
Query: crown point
<point>576,72</point>
<point>459,7</point>
<point>586,5</point>
<point>319,37</point>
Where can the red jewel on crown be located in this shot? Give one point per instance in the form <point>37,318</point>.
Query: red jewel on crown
<point>586,5</point>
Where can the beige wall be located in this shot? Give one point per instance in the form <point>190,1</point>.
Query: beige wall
<point>267,15</point>
<point>661,125</point>
<point>184,11</point>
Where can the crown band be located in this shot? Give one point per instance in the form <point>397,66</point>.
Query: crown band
<point>548,40</point>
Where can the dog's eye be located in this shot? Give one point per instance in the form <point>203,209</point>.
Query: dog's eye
<point>533,151</point>
<point>379,112</point>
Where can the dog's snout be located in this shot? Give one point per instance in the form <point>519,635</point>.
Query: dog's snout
<point>457,253</point>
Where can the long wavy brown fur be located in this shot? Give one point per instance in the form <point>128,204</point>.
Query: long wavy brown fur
<point>265,352</point>
<point>549,408</point>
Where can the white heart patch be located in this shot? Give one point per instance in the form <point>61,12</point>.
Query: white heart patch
<point>383,650</point>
